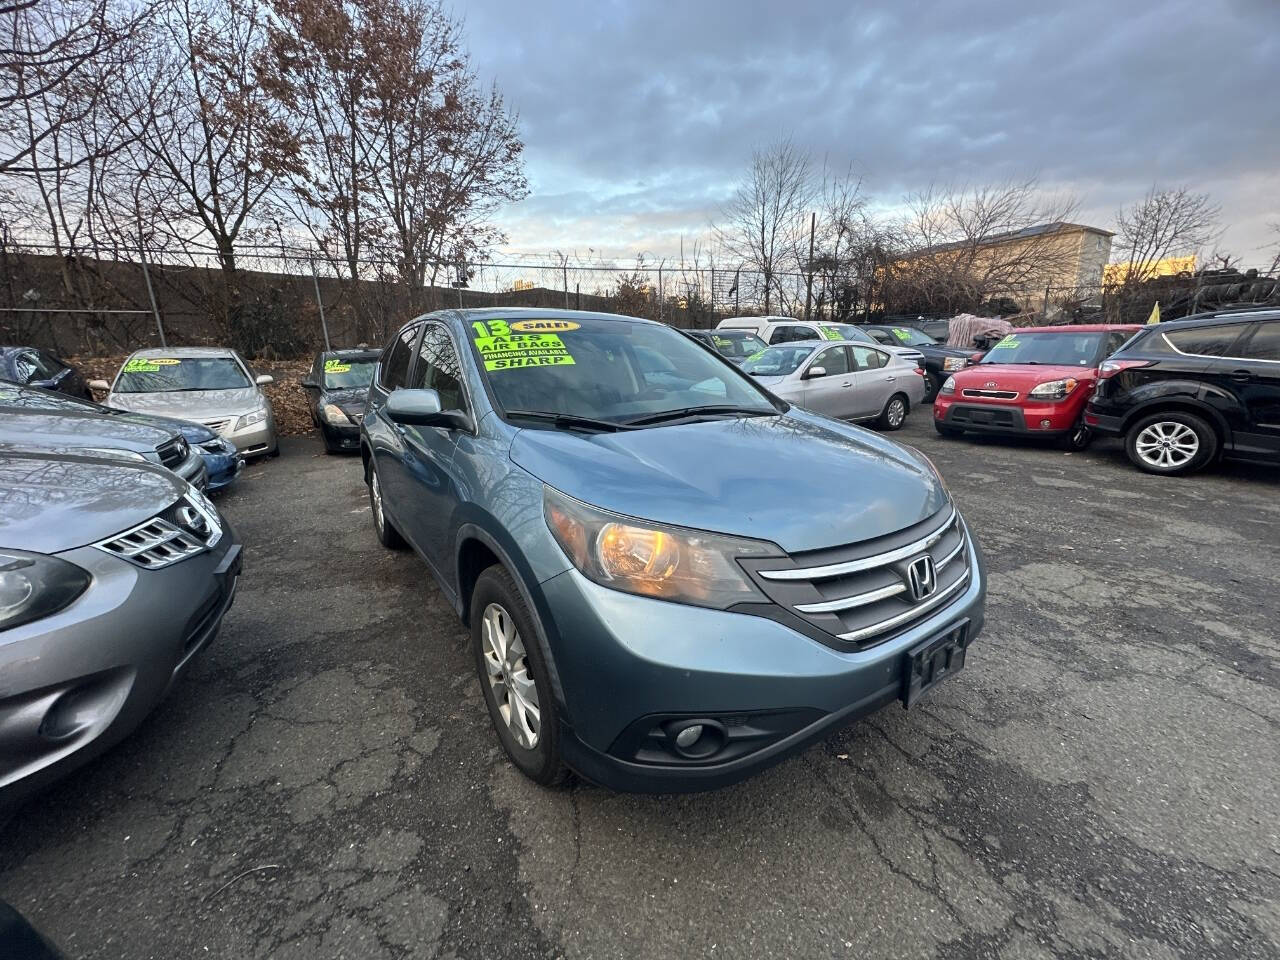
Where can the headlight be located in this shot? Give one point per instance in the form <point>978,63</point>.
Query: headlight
<point>332,415</point>
<point>953,363</point>
<point>1054,389</point>
<point>108,453</point>
<point>218,446</point>
<point>948,387</point>
<point>33,585</point>
<point>671,563</point>
<point>249,419</point>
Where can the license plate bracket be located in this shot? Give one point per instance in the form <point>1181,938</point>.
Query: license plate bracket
<point>934,660</point>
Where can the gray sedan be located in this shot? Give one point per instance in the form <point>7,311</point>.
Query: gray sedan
<point>210,385</point>
<point>849,381</point>
<point>113,576</point>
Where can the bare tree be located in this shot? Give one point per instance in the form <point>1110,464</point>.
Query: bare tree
<point>966,245</point>
<point>214,142</point>
<point>1164,223</point>
<point>763,225</point>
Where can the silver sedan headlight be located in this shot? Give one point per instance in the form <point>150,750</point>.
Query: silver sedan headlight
<point>252,419</point>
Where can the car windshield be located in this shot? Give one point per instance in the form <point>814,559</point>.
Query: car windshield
<point>344,372</point>
<point>909,336</point>
<point>778,361</point>
<point>1061,349</point>
<point>737,344</point>
<point>612,371</point>
<point>163,374</point>
<point>844,331</point>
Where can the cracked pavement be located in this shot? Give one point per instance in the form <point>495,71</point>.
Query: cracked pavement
<point>1103,778</point>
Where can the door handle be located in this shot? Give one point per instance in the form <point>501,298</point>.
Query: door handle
<point>1241,376</point>
<point>846,384</point>
<point>890,379</point>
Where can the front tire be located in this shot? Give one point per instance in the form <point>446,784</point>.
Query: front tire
<point>945,431</point>
<point>1077,438</point>
<point>1172,443</point>
<point>894,414</point>
<point>388,535</point>
<point>514,678</point>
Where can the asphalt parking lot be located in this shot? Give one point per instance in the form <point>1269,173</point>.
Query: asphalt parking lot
<point>1101,780</point>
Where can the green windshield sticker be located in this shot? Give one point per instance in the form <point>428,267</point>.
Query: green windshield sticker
<point>831,333</point>
<point>336,366</point>
<point>722,341</point>
<point>142,365</point>
<point>755,356</point>
<point>517,350</point>
<point>901,334</point>
<point>1008,343</point>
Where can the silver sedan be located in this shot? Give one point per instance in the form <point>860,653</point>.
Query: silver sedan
<point>849,381</point>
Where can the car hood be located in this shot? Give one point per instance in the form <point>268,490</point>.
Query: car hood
<point>352,398</point>
<point>50,503</point>
<point>1018,376</point>
<point>35,429</point>
<point>798,480</point>
<point>189,405</point>
<point>939,350</point>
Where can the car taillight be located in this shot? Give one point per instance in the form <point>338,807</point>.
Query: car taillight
<point>1110,368</point>
<point>919,370</point>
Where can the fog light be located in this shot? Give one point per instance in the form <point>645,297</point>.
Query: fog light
<point>1045,424</point>
<point>687,737</point>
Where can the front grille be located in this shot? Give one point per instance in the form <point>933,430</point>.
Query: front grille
<point>188,527</point>
<point>861,593</point>
<point>991,394</point>
<point>219,427</point>
<point>173,452</point>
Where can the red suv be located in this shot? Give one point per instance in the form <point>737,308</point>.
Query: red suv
<point>1034,382</point>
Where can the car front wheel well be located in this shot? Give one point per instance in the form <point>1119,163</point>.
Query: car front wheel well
<point>474,558</point>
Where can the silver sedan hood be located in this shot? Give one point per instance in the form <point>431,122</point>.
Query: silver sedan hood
<point>50,503</point>
<point>190,404</point>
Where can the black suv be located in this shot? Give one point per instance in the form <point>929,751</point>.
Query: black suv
<point>1185,392</point>
<point>940,361</point>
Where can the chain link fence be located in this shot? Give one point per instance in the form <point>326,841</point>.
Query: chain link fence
<point>293,300</point>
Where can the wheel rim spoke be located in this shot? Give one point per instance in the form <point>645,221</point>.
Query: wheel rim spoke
<point>1167,444</point>
<point>506,664</point>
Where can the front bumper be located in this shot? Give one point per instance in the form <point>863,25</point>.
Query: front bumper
<point>256,440</point>
<point>76,683</point>
<point>625,662</point>
<point>1024,419</point>
<point>344,436</point>
<point>223,470</point>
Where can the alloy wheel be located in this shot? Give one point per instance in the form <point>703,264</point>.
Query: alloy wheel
<point>375,493</point>
<point>1167,444</point>
<point>507,669</point>
<point>897,412</point>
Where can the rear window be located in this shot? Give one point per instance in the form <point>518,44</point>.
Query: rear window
<point>1205,341</point>
<point>168,374</point>
<point>344,372</point>
<point>1059,349</point>
<point>1265,342</point>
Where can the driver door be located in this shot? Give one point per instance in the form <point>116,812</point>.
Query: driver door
<point>434,494</point>
<point>832,394</point>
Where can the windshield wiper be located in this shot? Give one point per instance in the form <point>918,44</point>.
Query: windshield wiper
<point>708,409</point>
<point>569,420</point>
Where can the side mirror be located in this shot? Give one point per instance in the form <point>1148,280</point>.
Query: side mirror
<point>101,385</point>
<point>421,408</point>
<point>310,385</point>
<point>263,379</point>
<point>814,372</point>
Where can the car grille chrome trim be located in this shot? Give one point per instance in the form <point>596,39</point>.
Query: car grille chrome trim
<point>173,452</point>
<point>990,394</point>
<point>871,596</point>
<point>220,426</point>
<point>865,563</point>
<point>868,598</point>
<point>162,541</point>
<point>918,610</point>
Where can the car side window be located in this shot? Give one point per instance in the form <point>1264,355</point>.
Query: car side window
<point>24,364</point>
<point>1115,340</point>
<point>1205,341</point>
<point>834,360</point>
<point>883,336</point>
<point>395,362</point>
<point>868,358</point>
<point>1264,342</point>
<point>780,335</point>
<point>438,368</point>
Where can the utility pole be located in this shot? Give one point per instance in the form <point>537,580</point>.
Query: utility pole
<point>659,292</point>
<point>151,293</point>
<point>808,287</point>
<point>315,278</point>
<point>564,267</point>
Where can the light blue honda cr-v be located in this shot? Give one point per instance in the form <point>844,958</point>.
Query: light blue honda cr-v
<point>672,578</point>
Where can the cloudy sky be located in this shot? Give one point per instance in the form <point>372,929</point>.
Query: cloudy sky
<point>640,115</point>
